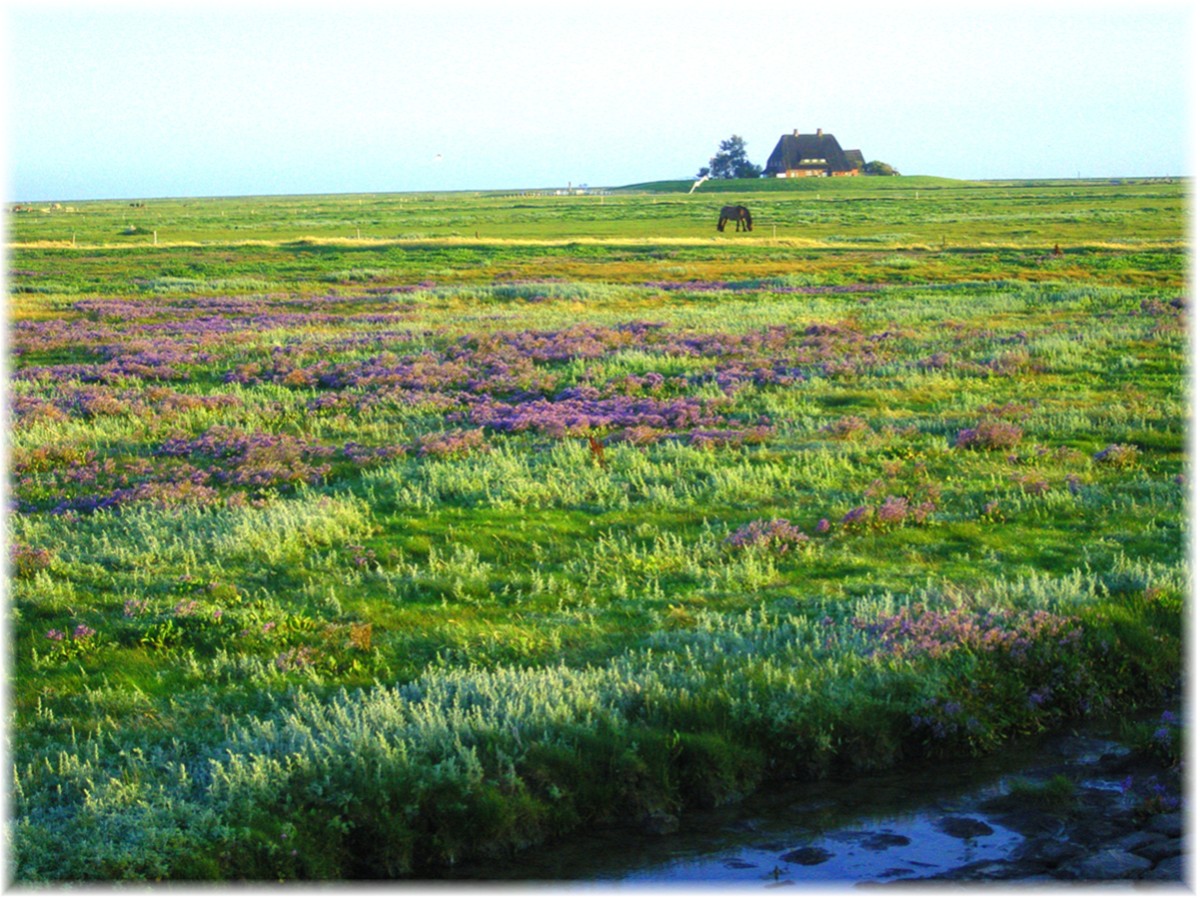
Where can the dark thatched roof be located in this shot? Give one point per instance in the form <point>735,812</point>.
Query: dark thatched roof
<point>809,151</point>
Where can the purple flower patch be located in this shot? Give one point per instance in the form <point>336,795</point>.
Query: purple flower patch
<point>777,535</point>
<point>989,435</point>
<point>1118,456</point>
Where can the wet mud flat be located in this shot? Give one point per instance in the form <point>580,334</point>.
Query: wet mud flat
<point>1071,808</point>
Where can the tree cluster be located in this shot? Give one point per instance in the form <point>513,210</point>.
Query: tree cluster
<point>730,162</point>
<point>875,167</point>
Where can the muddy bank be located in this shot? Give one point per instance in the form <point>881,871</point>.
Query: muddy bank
<point>1103,814</point>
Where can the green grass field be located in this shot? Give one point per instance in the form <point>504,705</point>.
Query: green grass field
<point>356,537</point>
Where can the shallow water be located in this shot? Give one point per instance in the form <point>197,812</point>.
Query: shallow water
<point>874,829</point>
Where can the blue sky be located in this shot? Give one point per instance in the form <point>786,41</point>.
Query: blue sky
<point>126,100</point>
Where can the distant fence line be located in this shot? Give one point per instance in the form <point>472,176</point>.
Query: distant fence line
<point>554,192</point>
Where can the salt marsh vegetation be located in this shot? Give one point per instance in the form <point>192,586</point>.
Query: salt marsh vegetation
<point>336,558</point>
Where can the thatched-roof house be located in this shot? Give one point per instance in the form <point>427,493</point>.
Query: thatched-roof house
<point>800,155</point>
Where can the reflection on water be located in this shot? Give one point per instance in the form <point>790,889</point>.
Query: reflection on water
<point>873,829</point>
<point>883,851</point>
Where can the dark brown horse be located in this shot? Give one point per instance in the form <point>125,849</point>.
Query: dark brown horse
<point>739,214</point>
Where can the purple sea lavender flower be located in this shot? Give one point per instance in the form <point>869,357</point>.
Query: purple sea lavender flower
<point>936,361</point>
<point>1032,483</point>
<point>778,535</point>
<point>450,443</point>
<point>1121,456</point>
<point>26,560</point>
<point>920,513</point>
<point>577,416</point>
<point>989,435</point>
<point>295,658</point>
<point>857,517</point>
<point>892,511</point>
<point>847,427</point>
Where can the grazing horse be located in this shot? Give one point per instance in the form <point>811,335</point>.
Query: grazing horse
<point>739,214</point>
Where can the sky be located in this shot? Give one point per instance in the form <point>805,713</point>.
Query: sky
<point>138,100</point>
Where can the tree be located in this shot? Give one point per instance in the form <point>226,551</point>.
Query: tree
<point>731,161</point>
<point>875,167</point>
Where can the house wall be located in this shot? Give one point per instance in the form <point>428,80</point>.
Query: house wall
<point>816,173</point>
